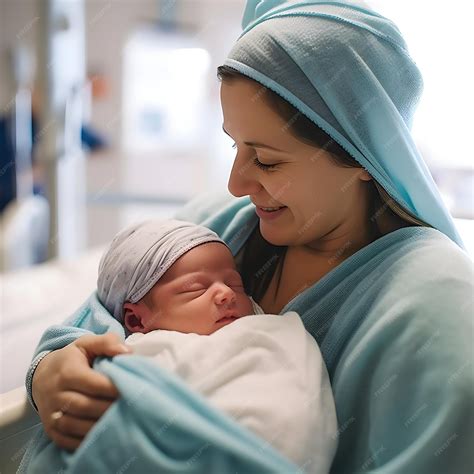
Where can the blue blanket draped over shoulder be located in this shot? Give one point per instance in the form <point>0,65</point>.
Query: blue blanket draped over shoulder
<point>394,323</point>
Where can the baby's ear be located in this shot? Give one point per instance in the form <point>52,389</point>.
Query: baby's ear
<point>133,317</point>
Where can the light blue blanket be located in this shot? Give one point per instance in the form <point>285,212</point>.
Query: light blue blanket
<point>394,323</point>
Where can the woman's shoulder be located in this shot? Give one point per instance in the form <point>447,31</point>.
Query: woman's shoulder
<point>423,300</point>
<point>404,365</point>
<point>430,258</point>
<point>415,291</point>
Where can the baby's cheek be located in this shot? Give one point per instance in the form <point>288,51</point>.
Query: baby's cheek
<point>247,306</point>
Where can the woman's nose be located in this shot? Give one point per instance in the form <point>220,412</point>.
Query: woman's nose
<point>242,181</point>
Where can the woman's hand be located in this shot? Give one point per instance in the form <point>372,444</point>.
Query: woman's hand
<point>69,394</point>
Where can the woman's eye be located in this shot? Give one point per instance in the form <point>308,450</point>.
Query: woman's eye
<point>257,162</point>
<point>261,165</point>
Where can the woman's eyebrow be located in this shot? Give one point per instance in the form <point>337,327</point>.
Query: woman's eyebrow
<point>254,144</point>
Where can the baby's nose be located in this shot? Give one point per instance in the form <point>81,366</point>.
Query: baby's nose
<point>225,294</point>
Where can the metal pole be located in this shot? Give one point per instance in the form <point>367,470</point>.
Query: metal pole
<point>61,74</point>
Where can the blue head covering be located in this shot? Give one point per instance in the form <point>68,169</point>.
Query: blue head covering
<point>348,70</point>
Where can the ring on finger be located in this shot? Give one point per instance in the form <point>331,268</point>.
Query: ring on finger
<point>57,415</point>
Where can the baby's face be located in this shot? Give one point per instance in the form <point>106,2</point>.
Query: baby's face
<point>200,293</point>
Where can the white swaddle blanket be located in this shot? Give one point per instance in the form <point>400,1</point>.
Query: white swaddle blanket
<point>266,372</point>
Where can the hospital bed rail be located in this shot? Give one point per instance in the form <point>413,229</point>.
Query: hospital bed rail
<point>18,421</point>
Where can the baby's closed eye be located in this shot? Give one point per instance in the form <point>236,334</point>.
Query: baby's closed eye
<point>193,288</point>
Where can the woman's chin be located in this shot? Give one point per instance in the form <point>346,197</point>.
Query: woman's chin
<point>274,236</point>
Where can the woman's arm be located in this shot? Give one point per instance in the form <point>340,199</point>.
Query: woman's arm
<point>64,382</point>
<point>61,379</point>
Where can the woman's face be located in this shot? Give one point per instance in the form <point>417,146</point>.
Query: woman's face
<point>322,203</point>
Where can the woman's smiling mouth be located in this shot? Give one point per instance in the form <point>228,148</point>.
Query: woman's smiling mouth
<point>269,213</point>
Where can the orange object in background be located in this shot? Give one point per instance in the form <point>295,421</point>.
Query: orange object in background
<point>100,86</point>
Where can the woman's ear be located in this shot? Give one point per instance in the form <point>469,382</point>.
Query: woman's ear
<point>134,317</point>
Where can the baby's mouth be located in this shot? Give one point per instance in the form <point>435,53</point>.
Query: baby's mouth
<point>227,318</point>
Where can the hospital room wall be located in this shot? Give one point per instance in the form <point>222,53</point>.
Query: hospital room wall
<point>165,172</point>
<point>175,173</point>
<point>17,23</point>
<point>120,173</point>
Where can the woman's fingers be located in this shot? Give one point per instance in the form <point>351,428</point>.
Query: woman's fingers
<point>105,345</point>
<point>89,382</point>
<point>71,426</point>
<point>76,404</point>
<point>78,414</point>
<point>69,443</point>
<point>65,382</point>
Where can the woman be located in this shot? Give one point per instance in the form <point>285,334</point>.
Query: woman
<point>342,223</point>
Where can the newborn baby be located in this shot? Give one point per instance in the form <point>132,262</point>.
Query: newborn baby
<point>174,285</point>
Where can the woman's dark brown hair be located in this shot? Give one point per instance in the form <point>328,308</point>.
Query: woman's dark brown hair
<point>261,259</point>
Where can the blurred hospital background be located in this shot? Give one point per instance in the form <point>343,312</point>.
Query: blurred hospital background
<point>109,114</point>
